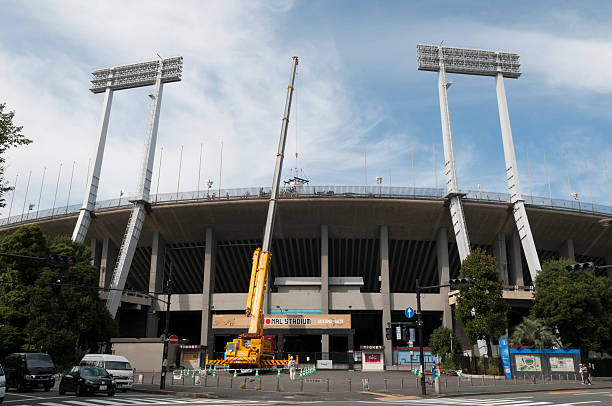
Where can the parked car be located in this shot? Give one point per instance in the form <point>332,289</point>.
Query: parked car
<point>26,371</point>
<point>117,365</point>
<point>2,384</point>
<point>87,380</point>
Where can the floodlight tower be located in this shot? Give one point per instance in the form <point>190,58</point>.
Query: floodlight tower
<point>452,189</point>
<point>498,65</point>
<point>107,81</point>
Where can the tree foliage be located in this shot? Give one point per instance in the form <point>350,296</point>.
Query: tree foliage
<point>10,136</point>
<point>579,306</point>
<point>484,295</point>
<point>440,342</point>
<point>63,321</point>
<point>533,333</point>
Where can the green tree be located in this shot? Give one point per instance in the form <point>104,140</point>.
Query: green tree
<point>64,321</point>
<point>483,298</point>
<point>444,343</point>
<point>442,339</point>
<point>579,306</point>
<point>532,332</point>
<point>10,136</point>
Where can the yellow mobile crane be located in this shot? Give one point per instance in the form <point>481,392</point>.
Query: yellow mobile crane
<point>253,350</point>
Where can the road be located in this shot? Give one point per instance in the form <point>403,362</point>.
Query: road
<point>559,398</point>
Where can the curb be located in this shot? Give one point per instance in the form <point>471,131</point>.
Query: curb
<point>505,392</point>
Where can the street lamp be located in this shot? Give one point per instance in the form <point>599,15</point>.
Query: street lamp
<point>209,183</point>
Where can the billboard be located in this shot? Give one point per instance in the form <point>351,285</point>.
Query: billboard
<point>286,321</point>
<point>528,363</point>
<point>561,364</point>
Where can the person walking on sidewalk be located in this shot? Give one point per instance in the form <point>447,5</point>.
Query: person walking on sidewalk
<point>586,378</point>
<point>292,368</point>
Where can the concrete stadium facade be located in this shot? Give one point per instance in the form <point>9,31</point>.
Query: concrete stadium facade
<point>336,250</point>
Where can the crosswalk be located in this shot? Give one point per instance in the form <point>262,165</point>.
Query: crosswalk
<point>141,401</point>
<point>510,401</point>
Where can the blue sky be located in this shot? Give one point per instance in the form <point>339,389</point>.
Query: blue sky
<point>357,81</point>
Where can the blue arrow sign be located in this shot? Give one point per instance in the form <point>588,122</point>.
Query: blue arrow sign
<point>409,312</point>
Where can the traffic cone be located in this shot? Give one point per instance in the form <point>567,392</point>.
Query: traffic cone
<point>235,374</point>
<point>278,373</point>
<point>214,373</point>
<point>257,373</point>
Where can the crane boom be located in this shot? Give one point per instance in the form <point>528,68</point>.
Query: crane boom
<point>254,349</point>
<point>261,257</point>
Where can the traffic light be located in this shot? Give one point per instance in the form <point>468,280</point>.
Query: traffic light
<point>580,267</point>
<point>389,333</point>
<point>455,283</point>
<point>60,262</point>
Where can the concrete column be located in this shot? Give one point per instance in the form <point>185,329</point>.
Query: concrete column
<point>156,280</point>
<point>206,337</point>
<point>499,250</point>
<point>609,262</point>
<point>325,285</point>
<point>566,250</point>
<point>351,360</point>
<point>110,252</point>
<point>96,256</point>
<point>444,274</point>
<point>517,264</point>
<point>280,344</point>
<point>385,292</point>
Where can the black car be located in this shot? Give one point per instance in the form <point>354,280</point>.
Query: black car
<point>29,371</point>
<point>87,380</point>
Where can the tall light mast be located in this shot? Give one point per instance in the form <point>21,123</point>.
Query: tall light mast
<point>499,65</point>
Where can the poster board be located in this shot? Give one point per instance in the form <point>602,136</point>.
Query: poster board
<point>528,363</point>
<point>561,364</point>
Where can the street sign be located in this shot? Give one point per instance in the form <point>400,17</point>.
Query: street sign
<point>398,333</point>
<point>173,339</point>
<point>409,312</point>
<point>412,334</point>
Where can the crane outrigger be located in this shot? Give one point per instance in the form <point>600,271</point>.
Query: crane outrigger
<point>253,350</point>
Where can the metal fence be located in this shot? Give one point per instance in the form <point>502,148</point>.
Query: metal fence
<point>325,381</point>
<point>295,192</point>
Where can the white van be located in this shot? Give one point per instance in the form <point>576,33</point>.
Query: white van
<point>116,365</point>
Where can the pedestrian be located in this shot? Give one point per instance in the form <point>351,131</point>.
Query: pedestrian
<point>585,375</point>
<point>580,370</point>
<point>292,368</point>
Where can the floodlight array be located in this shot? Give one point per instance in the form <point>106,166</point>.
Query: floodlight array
<point>136,75</point>
<point>468,61</point>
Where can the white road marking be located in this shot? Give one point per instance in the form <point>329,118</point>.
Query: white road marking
<point>522,401</point>
<point>27,396</point>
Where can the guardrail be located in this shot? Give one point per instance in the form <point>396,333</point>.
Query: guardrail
<point>296,192</point>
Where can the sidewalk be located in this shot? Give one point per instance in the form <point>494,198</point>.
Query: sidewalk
<point>348,385</point>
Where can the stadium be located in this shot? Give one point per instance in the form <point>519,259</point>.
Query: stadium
<point>346,251</point>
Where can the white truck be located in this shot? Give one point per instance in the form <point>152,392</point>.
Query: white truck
<point>116,365</point>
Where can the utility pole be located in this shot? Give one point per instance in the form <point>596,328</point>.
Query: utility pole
<point>420,327</point>
<point>162,382</point>
<point>453,283</point>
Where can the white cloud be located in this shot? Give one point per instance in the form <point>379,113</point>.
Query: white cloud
<point>236,70</point>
